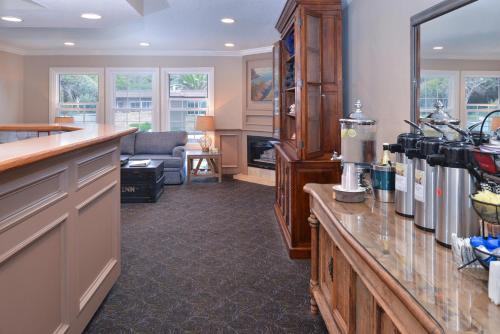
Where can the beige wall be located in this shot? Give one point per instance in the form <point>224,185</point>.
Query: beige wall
<point>377,60</point>
<point>11,87</point>
<point>228,76</point>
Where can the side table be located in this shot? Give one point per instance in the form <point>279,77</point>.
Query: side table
<point>214,165</point>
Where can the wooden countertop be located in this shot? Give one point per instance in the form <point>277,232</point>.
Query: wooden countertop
<point>23,152</point>
<point>457,300</point>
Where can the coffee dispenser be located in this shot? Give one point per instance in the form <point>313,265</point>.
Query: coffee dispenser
<point>454,185</point>
<point>405,173</point>
<point>358,152</point>
<point>425,182</point>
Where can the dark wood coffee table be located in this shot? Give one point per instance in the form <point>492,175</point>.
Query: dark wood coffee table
<point>142,184</point>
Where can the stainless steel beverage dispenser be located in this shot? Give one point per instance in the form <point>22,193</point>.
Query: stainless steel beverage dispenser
<point>425,182</point>
<point>454,185</point>
<point>405,173</point>
<point>358,152</point>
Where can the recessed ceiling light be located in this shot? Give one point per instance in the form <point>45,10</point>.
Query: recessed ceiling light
<point>12,19</point>
<point>91,16</point>
<point>229,45</point>
<point>227,20</point>
<point>144,44</point>
<point>438,48</point>
<point>69,43</point>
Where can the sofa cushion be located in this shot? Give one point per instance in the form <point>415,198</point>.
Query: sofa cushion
<point>168,160</point>
<point>159,142</point>
<point>127,144</point>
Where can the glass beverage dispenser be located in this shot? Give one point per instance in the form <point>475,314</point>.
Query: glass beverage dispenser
<point>358,135</point>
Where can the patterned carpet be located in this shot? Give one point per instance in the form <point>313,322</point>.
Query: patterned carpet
<point>207,258</point>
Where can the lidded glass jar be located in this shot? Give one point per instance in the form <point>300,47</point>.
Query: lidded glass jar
<point>358,136</point>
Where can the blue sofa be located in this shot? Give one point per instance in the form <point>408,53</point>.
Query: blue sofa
<point>166,146</point>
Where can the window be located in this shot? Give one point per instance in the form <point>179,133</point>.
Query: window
<point>481,95</point>
<point>187,93</point>
<point>77,93</point>
<point>133,98</point>
<point>438,86</point>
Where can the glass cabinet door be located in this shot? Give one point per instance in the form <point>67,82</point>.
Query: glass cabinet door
<point>312,83</point>
<point>277,90</point>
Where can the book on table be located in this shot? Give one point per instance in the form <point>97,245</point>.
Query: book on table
<point>139,163</point>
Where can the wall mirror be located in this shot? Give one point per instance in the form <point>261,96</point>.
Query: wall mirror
<point>456,60</point>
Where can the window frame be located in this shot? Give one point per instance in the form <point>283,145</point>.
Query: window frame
<point>55,72</point>
<point>455,88</point>
<point>165,90</point>
<point>111,73</point>
<point>464,74</point>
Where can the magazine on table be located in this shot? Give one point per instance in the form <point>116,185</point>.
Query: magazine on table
<point>139,163</point>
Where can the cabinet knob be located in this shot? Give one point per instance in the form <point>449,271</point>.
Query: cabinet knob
<point>323,95</point>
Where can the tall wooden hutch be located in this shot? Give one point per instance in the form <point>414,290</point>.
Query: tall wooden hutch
<point>307,107</point>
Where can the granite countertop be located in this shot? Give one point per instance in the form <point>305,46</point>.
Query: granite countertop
<point>457,300</point>
<point>27,151</point>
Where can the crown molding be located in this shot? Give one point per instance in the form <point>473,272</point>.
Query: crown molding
<point>256,51</point>
<point>132,52</point>
<point>12,49</point>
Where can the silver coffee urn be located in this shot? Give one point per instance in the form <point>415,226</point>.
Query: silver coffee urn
<point>405,173</point>
<point>425,182</point>
<point>454,185</point>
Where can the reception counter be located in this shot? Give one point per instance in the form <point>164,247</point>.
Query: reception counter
<point>59,226</point>
<point>374,272</point>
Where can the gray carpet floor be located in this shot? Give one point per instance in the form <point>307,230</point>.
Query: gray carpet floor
<point>207,258</point>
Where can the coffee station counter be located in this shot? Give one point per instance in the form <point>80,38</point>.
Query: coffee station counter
<point>373,269</point>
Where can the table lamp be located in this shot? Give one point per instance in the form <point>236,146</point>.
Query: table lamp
<point>205,123</point>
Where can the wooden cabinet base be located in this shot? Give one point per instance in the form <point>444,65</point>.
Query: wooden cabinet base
<point>302,252</point>
<point>292,203</point>
<point>351,292</point>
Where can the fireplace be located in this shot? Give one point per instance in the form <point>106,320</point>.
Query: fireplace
<point>260,152</point>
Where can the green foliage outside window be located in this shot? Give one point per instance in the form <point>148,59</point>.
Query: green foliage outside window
<point>134,82</point>
<point>78,88</point>
<point>143,127</point>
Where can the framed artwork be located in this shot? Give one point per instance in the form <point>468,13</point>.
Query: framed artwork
<point>259,85</point>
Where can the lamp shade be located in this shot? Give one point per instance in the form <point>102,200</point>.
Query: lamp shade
<point>205,123</point>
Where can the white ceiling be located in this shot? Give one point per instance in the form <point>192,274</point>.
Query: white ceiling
<point>168,25</point>
<point>472,32</point>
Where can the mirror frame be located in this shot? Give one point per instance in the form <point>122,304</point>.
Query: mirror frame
<point>427,15</point>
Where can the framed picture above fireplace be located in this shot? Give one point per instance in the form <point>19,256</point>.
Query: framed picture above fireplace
<point>259,82</point>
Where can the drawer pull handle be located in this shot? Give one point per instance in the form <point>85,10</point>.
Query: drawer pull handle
<point>330,267</point>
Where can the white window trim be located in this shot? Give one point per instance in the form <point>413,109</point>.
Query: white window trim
<point>54,73</point>
<point>455,89</point>
<point>463,104</point>
<point>110,89</point>
<point>165,86</point>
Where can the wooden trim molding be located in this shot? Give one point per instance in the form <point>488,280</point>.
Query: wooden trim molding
<point>98,164</point>
<point>16,249</point>
<point>96,196</point>
<point>92,289</point>
<point>37,194</point>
